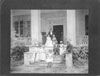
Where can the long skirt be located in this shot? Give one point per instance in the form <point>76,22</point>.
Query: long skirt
<point>49,60</point>
<point>42,56</point>
<point>33,59</point>
<point>61,51</point>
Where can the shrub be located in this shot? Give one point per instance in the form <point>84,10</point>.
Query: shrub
<point>80,54</point>
<point>18,52</point>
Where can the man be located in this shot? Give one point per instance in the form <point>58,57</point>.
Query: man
<point>69,47</point>
<point>50,33</point>
<point>68,56</point>
<point>54,40</point>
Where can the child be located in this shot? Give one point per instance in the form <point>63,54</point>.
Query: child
<point>49,58</point>
<point>61,48</point>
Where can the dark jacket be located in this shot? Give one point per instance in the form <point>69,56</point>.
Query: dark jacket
<point>51,35</point>
<point>69,48</point>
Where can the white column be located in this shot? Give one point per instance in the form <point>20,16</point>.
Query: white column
<point>35,25</point>
<point>71,26</point>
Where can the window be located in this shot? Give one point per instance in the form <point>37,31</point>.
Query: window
<point>86,24</point>
<point>22,27</point>
<point>16,27</point>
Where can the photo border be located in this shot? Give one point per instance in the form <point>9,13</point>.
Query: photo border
<point>94,28</point>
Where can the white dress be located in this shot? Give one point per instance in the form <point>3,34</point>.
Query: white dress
<point>34,56</point>
<point>42,55</point>
<point>49,42</point>
<point>61,49</point>
<point>49,57</point>
<point>49,46</point>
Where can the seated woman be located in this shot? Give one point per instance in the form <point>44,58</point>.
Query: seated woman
<point>42,54</point>
<point>49,58</point>
<point>35,53</point>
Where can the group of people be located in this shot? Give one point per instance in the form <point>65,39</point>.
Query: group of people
<point>51,48</point>
<point>65,51</point>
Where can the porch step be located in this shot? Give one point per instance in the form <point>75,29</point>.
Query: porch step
<point>57,59</point>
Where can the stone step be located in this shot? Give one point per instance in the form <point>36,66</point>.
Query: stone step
<point>53,64</point>
<point>57,59</point>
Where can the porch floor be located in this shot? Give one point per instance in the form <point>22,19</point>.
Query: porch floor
<point>41,67</point>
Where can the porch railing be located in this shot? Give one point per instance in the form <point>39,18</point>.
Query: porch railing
<point>83,40</point>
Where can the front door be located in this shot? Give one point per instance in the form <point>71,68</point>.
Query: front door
<point>58,31</point>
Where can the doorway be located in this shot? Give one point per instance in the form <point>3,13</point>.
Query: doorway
<point>58,31</point>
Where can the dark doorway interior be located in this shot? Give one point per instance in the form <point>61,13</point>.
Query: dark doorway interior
<point>58,31</point>
<point>86,24</point>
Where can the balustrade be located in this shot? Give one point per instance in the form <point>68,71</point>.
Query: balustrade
<point>83,40</point>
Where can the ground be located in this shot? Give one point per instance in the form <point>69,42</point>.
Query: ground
<point>41,67</point>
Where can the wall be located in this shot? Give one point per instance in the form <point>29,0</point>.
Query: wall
<point>21,12</point>
<point>44,25</point>
<point>59,21</point>
<point>49,22</point>
<point>80,24</point>
<point>58,18</point>
<point>53,17</point>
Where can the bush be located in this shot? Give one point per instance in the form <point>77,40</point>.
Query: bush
<point>80,54</point>
<point>18,52</point>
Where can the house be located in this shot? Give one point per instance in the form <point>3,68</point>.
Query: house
<point>28,26</point>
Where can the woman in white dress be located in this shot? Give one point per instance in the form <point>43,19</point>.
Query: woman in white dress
<point>42,55</point>
<point>49,51</point>
<point>48,42</point>
<point>35,54</point>
<point>49,58</point>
